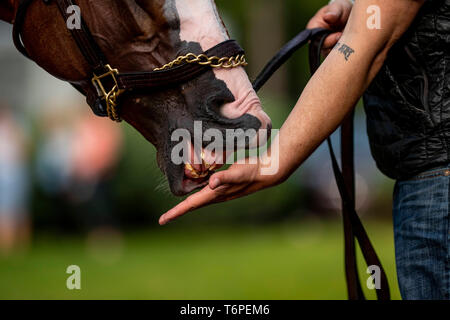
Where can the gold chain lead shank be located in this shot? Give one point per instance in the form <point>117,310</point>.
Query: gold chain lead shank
<point>204,60</point>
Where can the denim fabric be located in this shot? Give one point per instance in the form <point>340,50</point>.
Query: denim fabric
<point>421,229</point>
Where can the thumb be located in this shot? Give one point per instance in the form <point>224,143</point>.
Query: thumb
<point>333,14</point>
<point>229,176</point>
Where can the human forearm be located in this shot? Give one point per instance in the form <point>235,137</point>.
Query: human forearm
<point>340,81</point>
<point>327,99</point>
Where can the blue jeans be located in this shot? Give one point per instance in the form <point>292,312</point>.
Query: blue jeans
<point>422,239</point>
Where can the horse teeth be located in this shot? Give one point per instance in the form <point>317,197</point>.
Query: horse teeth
<point>194,173</point>
<point>205,164</point>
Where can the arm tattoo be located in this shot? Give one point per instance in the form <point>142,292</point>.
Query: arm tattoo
<point>344,49</point>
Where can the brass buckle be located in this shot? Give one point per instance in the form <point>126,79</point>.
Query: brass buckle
<point>111,96</point>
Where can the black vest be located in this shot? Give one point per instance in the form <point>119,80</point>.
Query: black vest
<point>408,103</point>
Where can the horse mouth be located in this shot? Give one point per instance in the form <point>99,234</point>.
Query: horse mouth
<point>197,173</point>
<point>193,180</point>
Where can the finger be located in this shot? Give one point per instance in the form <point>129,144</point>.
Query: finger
<point>317,21</point>
<point>233,175</point>
<point>331,40</point>
<point>331,18</point>
<point>333,13</point>
<point>195,201</point>
<point>326,52</point>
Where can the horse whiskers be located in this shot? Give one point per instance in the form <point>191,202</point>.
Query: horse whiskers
<point>163,186</point>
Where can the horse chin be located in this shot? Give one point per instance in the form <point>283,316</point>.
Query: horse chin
<point>184,185</point>
<point>189,185</point>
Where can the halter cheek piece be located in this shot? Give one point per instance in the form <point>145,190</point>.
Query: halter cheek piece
<point>107,84</point>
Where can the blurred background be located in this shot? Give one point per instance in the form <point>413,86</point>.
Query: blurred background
<point>80,190</point>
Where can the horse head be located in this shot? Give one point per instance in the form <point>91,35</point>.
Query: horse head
<point>141,35</point>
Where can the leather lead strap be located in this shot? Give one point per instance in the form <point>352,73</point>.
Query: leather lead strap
<point>345,180</point>
<point>284,54</point>
<point>348,171</point>
<point>353,227</point>
<point>354,289</point>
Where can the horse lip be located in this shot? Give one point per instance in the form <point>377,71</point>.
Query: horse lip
<point>192,180</point>
<point>189,185</point>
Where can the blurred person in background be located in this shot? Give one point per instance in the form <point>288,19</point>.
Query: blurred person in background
<point>15,225</point>
<point>95,153</point>
<point>76,156</point>
<point>53,157</point>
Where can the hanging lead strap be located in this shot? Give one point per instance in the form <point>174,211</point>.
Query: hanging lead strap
<point>353,227</point>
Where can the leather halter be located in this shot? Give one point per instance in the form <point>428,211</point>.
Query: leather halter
<point>107,83</point>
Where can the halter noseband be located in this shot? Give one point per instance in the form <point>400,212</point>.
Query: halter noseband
<point>107,84</point>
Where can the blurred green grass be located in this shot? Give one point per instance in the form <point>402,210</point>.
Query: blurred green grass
<point>298,260</point>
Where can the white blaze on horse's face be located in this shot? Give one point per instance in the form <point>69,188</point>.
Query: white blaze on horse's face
<point>200,22</point>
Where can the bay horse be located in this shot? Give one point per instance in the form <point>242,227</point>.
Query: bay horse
<point>142,35</point>
<point>136,36</point>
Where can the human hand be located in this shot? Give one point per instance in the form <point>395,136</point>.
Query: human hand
<point>333,16</point>
<point>238,181</point>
